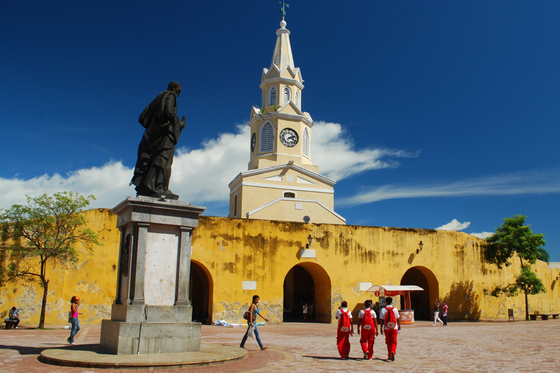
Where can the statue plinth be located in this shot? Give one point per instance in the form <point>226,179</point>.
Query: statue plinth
<point>152,312</point>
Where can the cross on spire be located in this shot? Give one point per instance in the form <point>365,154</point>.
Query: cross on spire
<point>284,8</point>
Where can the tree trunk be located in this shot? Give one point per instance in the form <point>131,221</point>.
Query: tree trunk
<point>526,306</point>
<point>44,305</point>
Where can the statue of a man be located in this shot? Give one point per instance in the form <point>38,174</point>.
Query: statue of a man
<point>157,148</point>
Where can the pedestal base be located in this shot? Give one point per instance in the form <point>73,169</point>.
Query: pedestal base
<point>127,338</point>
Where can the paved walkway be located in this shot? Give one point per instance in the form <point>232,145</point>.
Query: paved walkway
<point>521,346</point>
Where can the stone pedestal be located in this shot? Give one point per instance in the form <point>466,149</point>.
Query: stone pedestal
<point>152,312</point>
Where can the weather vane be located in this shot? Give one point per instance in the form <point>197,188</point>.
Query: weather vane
<point>284,8</point>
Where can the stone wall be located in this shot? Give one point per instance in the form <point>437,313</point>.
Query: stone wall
<point>233,253</point>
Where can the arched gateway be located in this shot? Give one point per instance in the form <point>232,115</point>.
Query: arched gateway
<point>201,289</point>
<point>421,301</point>
<point>307,282</point>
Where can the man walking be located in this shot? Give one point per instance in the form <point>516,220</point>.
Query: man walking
<point>367,319</point>
<point>391,327</point>
<point>344,331</point>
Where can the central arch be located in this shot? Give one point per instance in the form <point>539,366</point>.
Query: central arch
<point>201,289</point>
<point>421,301</point>
<point>307,282</point>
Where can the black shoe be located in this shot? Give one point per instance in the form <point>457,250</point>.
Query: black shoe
<point>366,354</point>
<point>392,356</point>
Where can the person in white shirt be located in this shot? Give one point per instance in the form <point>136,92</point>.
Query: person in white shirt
<point>390,328</point>
<point>345,330</point>
<point>368,321</point>
<point>436,313</point>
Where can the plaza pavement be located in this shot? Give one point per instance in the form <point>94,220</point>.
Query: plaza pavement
<point>499,346</point>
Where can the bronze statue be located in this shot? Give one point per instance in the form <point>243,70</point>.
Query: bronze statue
<point>157,148</point>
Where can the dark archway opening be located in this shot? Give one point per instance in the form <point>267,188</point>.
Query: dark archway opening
<point>200,290</point>
<point>299,288</point>
<point>307,282</point>
<point>419,300</point>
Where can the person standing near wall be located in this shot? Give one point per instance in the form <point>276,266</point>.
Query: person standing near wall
<point>391,327</point>
<point>74,304</point>
<point>444,310</point>
<point>436,313</point>
<point>345,330</point>
<point>305,311</point>
<point>367,318</point>
<point>252,324</point>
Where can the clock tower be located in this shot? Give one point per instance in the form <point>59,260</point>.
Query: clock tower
<point>281,182</point>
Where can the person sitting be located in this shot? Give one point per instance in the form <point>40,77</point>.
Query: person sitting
<point>14,315</point>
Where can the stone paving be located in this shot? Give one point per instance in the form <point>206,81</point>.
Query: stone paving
<point>520,346</point>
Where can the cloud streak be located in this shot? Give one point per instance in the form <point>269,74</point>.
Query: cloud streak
<point>536,182</point>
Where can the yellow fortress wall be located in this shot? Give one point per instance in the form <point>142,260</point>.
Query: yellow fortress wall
<point>93,281</point>
<point>229,254</point>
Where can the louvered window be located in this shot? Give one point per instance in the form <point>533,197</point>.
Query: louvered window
<point>267,138</point>
<point>286,95</point>
<point>272,96</point>
<point>305,142</point>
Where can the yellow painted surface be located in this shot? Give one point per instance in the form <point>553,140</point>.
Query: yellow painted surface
<point>93,280</point>
<point>231,251</point>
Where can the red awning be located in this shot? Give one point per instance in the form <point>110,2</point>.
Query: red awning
<point>392,290</point>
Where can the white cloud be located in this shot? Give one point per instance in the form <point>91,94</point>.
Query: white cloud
<point>337,159</point>
<point>536,182</point>
<point>454,225</point>
<point>482,235</point>
<point>202,175</point>
<point>108,183</point>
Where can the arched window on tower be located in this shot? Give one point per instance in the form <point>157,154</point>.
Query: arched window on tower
<point>305,142</point>
<point>289,195</point>
<point>272,96</point>
<point>297,99</point>
<point>267,138</point>
<point>286,95</point>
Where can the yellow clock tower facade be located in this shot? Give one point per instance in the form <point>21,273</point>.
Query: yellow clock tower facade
<point>281,182</point>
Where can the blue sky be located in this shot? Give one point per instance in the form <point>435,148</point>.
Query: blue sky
<point>428,113</point>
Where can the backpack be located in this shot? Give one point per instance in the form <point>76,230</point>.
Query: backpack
<point>390,319</point>
<point>344,322</point>
<point>368,320</point>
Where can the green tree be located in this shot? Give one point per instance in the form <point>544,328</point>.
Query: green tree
<point>513,237</point>
<point>48,230</point>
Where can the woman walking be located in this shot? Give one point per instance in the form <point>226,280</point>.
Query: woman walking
<point>75,303</point>
<point>251,323</point>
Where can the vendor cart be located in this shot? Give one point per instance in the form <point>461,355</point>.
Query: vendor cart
<point>382,291</point>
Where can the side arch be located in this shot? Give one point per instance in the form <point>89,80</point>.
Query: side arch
<point>421,301</point>
<point>201,293</point>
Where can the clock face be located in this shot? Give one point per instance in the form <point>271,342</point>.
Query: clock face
<point>289,137</point>
<point>253,142</point>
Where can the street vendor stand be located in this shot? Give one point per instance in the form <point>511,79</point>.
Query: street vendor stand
<point>382,291</point>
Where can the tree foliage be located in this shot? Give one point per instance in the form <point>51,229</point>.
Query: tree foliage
<point>526,283</point>
<point>48,230</point>
<point>513,237</point>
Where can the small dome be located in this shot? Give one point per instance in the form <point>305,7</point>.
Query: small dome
<point>283,24</point>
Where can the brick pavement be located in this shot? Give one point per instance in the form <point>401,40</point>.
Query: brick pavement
<point>521,346</point>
